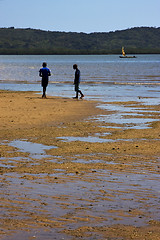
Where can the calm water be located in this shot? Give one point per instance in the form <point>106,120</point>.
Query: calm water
<point>107,78</point>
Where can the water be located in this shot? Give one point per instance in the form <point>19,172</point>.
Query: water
<point>85,139</point>
<point>94,68</point>
<point>107,78</point>
<point>35,150</point>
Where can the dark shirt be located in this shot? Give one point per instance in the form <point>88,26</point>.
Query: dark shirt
<point>77,76</point>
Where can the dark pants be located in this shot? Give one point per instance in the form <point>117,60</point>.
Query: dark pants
<point>44,85</point>
<point>77,90</point>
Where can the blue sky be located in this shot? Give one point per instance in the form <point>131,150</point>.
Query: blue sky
<point>79,16</point>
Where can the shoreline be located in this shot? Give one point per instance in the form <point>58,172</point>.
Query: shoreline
<point>75,189</point>
<point>25,110</point>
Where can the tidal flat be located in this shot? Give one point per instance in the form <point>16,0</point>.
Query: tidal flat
<point>57,184</point>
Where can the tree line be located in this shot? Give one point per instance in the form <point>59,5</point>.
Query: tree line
<point>138,40</point>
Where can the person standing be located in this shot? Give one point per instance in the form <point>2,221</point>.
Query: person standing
<point>44,73</point>
<point>77,81</point>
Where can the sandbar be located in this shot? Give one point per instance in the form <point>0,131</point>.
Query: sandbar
<point>76,189</point>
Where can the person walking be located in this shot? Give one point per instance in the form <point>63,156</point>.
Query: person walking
<point>77,81</point>
<point>44,73</point>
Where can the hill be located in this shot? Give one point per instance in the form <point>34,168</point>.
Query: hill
<point>31,41</point>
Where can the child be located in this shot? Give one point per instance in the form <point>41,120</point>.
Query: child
<point>44,73</point>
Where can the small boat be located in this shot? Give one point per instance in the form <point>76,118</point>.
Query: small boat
<point>124,54</point>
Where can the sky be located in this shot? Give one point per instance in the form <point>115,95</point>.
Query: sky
<point>79,15</point>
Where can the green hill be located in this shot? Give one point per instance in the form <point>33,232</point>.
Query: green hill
<point>31,41</point>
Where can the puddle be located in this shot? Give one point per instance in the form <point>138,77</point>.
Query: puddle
<point>6,165</point>
<point>35,150</point>
<point>10,162</point>
<point>131,123</point>
<point>85,139</point>
<point>95,139</point>
<point>120,117</point>
<point>94,161</point>
<point>121,108</point>
<point>150,101</point>
<point>111,127</point>
<point>103,134</point>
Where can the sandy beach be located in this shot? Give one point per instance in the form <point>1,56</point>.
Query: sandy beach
<point>79,178</point>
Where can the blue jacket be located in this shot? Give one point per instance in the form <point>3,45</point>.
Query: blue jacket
<point>44,73</point>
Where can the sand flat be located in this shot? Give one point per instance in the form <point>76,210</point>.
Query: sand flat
<point>78,189</point>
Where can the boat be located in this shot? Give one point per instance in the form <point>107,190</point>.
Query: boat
<point>124,54</point>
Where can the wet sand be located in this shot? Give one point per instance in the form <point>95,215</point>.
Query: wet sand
<point>104,187</point>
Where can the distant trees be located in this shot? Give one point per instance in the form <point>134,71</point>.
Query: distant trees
<point>31,41</point>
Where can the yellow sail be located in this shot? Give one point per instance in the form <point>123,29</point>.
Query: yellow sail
<point>123,52</point>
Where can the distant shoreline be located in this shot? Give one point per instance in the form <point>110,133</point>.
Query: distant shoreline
<point>138,40</point>
<point>56,54</point>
